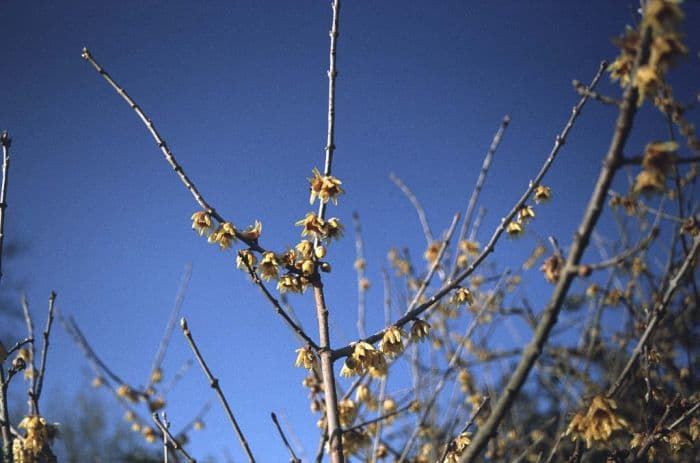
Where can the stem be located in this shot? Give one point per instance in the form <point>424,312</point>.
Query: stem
<point>6,141</point>
<point>214,383</point>
<point>39,379</point>
<point>334,431</point>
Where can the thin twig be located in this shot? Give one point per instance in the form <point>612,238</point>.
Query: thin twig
<point>170,326</point>
<point>169,157</point>
<point>417,206</point>
<point>479,185</point>
<point>361,278</point>
<point>583,90</point>
<point>6,142</point>
<point>168,439</point>
<point>38,380</point>
<point>214,384</point>
<point>383,417</point>
<point>32,351</point>
<point>284,439</point>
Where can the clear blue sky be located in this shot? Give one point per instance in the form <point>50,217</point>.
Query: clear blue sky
<point>239,91</point>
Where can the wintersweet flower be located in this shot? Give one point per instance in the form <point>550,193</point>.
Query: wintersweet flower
<point>659,156</point>
<point>598,423</point>
<point>391,343</point>
<point>525,213</point>
<point>514,228</point>
<point>269,267</point>
<point>333,229</point>
<point>542,194</point>
<point>325,187</point>
<point>245,259</point>
<point>252,233</point>
<point>289,283</point>
<point>305,358</point>
<point>224,235</point>
<point>201,222</point>
<point>419,330</point>
<point>312,225</point>
<point>462,296</point>
<point>431,254</point>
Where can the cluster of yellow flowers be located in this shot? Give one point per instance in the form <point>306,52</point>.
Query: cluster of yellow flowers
<point>34,446</point>
<point>324,187</point>
<point>663,17</point>
<point>457,446</point>
<point>364,358</point>
<point>516,227</point>
<point>597,423</point>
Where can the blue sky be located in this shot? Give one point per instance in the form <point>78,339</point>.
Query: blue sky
<point>239,91</point>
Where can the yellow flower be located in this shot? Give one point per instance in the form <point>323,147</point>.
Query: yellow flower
<point>305,249</point>
<point>362,393</point>
<point>514,228</point>
<point>598,423</point>
<point>469,247</point>
<point>333,229</point>
<point>364,284</point>
<point>289,283</point>
<point>252,233</point>
<point>648,82</point>
<point>149,434</point>
<point>542,194</point>
<point>305,358</point>
<point>525,213</point>
<point>659,156</point>
<point>649,182</point>
<point>456,447</point>
<point>360,264</point>
<point>462,296</point>
<point>313,225</point>
<point>420,330</point>
<point>98,381</point>
<point>156,375</point>
<point>246,259</point>
<point>198,425</point>
<point>201,223</point>
<point>347,412</point>
<point>552,268</point>
<point>324,187</point>
<point>156,404</point>
<point>665,50</point>
<point>431,254</point>
<point>662,15</point>
<point>391,343</point>
<point>269,267</point>
<point>224,235</point>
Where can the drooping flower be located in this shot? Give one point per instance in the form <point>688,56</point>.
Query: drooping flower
<point>325,187</point>
<point>525,213</point>
<point>462,296</point>
<point>542,194</point>
<point>224,235</point>
<point>391,343</point>
<point>245,259</point>
<point>659,156</point>
<point>431,254</point>
<point>333,229</point>
<point>290,283</point>
<point>419,330</point>
<point>201,223</point>
<point>551,268</point>
<point>514,228</point>
<point>312,225</point>
<point>305,358</point>
<point>649,182</point>
<point>598,423</point>
<point>252,233</point>
<point>269,267</point>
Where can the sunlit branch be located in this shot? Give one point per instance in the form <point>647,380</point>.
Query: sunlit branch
<point>6,142</point>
